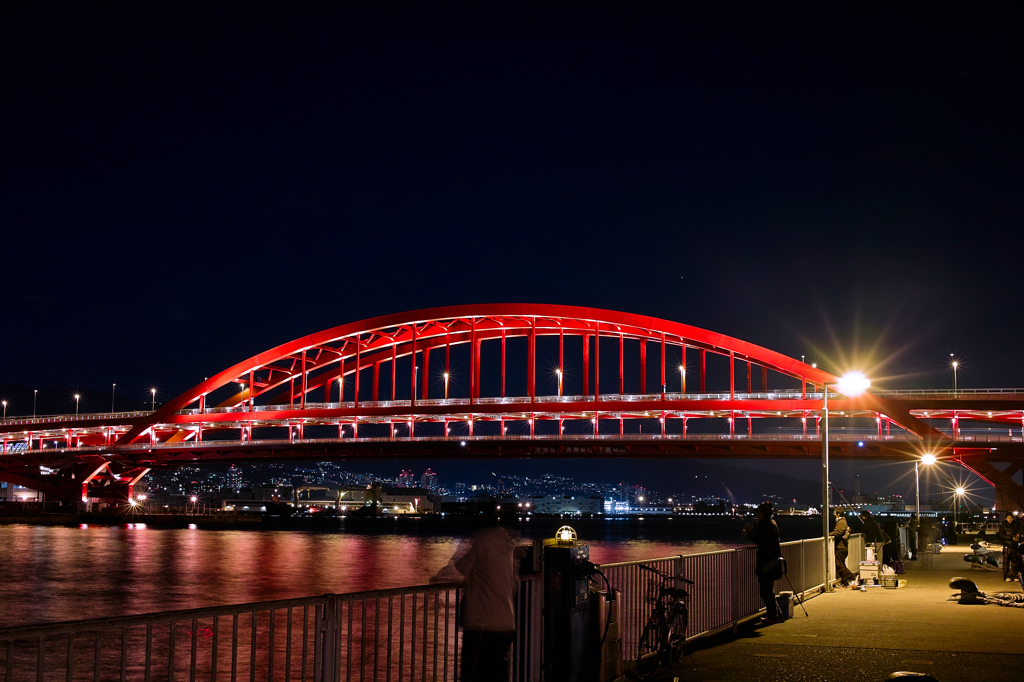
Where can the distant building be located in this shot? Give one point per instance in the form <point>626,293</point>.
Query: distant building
<point>566,504</point>
<point>428,480</point>
<point>406,479</point>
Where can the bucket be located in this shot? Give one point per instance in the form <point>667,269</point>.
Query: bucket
<point>785,602</point>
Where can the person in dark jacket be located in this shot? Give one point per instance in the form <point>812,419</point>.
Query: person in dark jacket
<point>765,534</point>
<point>873,533</point>
<point>1010,536</point>
<point>840,535</point>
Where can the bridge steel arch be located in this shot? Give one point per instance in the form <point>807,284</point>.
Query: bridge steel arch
<point>277,388</point>
<point>287,374</point>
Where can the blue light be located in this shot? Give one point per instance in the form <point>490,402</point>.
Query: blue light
<point>860,444</point>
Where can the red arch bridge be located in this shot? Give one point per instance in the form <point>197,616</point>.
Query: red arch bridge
<point>465,381</point>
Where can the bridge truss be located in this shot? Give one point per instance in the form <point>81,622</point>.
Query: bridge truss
<point>443,383</point>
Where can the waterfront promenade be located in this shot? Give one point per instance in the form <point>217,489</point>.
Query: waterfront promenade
<point>854,636</point>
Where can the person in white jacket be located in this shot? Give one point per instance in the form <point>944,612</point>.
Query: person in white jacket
<point>491,571</point>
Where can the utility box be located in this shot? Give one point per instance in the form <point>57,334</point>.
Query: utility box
<point>570,652</point>
<point>608,614</point>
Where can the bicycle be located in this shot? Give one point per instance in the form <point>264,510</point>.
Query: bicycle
<point>663,640</point>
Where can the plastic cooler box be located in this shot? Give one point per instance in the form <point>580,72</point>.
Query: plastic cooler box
<point>869,570</point>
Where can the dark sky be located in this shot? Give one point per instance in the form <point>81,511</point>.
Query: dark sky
<point>182,189</point>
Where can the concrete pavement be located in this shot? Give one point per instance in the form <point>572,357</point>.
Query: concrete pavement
<point>852,635</point>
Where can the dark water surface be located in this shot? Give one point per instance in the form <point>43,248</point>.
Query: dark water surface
<point>59,573</point>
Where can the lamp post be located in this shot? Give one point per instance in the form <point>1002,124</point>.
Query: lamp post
<point>850,384</point>
<point>152,392</point>
<point>955,365</point>
<point>112,390</point>
<point>682,378</point>
<point>35,394</point>
<point>77,398</point>
<point>958,493</point>
<point>5,410</point>
<point>559,373</point>
<point>446,375</point>
<point>926,459</point>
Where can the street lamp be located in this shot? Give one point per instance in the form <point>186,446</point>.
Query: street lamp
<point>958,492</point>
<point>559,373</point>
<point>152,392</point>
<point>112,390</point>
<point>927,459</point>
<point>955,365</point>
<point>5,410</point>
<point>35,395</point>
<point>851,385</point>
<point>446,376</point>
<point>77,398</point>
<point>682,378</point>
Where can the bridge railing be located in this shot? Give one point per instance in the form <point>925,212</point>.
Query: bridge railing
<point>1004,393</point>
<point>405,633</point>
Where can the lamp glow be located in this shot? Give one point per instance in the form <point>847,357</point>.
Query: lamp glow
<point>853,384</point>
<point>928,459</point>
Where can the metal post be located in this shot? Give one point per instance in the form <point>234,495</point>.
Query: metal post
<point>329,671</point>
<point>824,485</point>
<point>917,488</point>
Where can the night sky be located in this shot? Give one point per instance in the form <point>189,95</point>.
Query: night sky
<point>183,189</point>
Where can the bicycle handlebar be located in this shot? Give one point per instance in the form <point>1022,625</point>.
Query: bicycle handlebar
<point>665,575</point>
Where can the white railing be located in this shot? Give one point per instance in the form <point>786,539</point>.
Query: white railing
<point>725,589</point>
<point>406,633</point>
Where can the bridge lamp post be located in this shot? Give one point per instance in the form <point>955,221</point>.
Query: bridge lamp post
<point>35,395</point>
<point>77,398</point>
<point>152,392</point>
<point>5,410</point>
<point>446,375</point>
<point>113,388</point>
<point>559,373</point>
<point>682,378</point>
<point>955,365</point>
<point>851,385</point>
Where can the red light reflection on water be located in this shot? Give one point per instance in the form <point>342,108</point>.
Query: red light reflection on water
<point>55,574</point>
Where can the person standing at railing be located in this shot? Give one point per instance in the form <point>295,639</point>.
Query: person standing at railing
<point>489,618</point>
<point>765,534</point>
<point>841,535</point>
<point>874,534</point>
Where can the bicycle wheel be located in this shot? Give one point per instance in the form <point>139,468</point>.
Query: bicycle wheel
<point>648,651</point>
<point>677,640</point>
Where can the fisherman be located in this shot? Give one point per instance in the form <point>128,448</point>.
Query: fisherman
<point>765,534</point>
<point>1010,536</point>
<point>841,533</point>
<point>873,533</point>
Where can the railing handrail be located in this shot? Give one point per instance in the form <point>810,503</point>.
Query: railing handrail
<point>696,554</point>
<point>791,394</point>
<point>93,624</point>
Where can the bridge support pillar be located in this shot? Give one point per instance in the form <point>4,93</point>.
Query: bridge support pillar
<point>1009,494</point>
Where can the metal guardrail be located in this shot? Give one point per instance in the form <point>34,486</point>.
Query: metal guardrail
<point>725,589</point>
<point>406,633</point>
<point>18,447</point>
<point>995,393</point>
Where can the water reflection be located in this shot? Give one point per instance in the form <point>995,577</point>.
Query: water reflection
<point>55,574</point>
